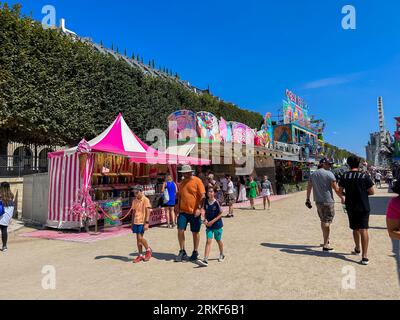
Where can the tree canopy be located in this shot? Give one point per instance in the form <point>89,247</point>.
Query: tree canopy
<point>55,89</point>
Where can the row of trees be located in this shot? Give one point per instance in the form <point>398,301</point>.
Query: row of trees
<point>55,90</point>
<point>336,153</point>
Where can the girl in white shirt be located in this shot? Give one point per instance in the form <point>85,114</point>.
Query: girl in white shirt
<point>7,200</point>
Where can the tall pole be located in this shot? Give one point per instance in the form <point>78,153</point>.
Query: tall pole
<point>382,133</point>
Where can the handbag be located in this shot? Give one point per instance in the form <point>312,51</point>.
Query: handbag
<point>2,210</point>
<point>166,196</point>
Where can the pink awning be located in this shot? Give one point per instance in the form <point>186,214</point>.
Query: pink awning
<point>119,139</point>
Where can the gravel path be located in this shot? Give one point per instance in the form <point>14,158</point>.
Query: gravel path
<point>270,255</point>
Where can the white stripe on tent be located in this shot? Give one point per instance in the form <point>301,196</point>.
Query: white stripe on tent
<point>128,140</point>
<point>93,141</point>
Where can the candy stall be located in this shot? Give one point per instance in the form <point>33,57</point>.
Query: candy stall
<point>93,183</point>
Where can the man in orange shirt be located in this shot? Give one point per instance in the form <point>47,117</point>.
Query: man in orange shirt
<point>191,195</point>
<point>140,223</point>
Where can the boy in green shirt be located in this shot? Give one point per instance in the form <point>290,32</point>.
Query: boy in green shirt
<point>253,191</point>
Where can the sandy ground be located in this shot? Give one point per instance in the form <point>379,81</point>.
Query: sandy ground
<point>270,255</point>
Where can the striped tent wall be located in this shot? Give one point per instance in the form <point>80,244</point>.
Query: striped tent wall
<point>65,181</point>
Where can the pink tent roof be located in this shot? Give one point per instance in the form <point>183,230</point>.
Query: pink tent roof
<point>119,139</point>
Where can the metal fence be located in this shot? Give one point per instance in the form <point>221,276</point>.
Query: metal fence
<point>18,166</point>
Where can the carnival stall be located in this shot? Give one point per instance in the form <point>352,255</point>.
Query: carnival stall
<point>94,181</point>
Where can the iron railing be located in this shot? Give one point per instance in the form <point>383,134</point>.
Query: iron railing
<point>18,166</point>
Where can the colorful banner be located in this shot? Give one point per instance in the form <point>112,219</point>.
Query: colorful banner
<point>207,126</point>
<point>396,153</point>
<point>242,134</point>
<point>225,130</point>
<point>265,136</point>
<point>182,125</point>
<point>294,114</point>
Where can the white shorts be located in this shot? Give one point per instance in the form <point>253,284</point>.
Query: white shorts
<point>265,193</point>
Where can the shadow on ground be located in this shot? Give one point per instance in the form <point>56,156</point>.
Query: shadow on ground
<point>155,255</point>
<point>308,251</point>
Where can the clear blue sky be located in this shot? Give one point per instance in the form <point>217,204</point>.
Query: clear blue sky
<point>250,51</point>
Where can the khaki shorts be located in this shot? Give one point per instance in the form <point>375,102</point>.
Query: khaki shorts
<point>326,212</point>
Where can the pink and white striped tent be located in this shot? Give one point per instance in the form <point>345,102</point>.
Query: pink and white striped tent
<point>68,173</point>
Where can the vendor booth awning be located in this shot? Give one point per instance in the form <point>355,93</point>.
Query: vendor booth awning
<point>183,150</point>
<point>119,139</point>
<point>70,171</point>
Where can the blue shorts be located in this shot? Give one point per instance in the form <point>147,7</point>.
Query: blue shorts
<point>184,219</point>
<point>214,233</point>
<point>138,229</point>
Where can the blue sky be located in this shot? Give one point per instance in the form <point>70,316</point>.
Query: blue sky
<point>250,51</point>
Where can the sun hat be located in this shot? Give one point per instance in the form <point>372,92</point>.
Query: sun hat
<point>185,169</point>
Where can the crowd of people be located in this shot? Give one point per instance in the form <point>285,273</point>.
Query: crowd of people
<point>198,202</point>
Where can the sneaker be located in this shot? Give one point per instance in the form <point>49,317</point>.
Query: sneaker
<point>195,256</point>
<point>147,256</point>
<point>364,261</point>
<point>202,263</point>
<point>138,259</point>
<point>327,249</point>
<point>181,256</point>
<point>4,249</point>
<point>221,258</point>
<point>356,252</point>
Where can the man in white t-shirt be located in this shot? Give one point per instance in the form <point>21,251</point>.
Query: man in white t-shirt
<point>378,178</point>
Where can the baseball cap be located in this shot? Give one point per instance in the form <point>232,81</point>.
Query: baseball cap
<point>138,188</point>
<point>325,160</point>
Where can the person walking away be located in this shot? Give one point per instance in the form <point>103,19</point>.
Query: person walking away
<point>224,184</point>
<point>212,215</point>
<point>241,190</point>
<point>253,191</point>
<point>191,195</point>
<point>6,212</point>
<point>389,180</point>
<point>230,196</point>
<point>393,222</point>
<point>211,181</point>
<point>140,223</point>
<point>378,177</point>
<point>266,192</point>
<point>172,190</point>
<point>356,186</point>
<point>322,182</point>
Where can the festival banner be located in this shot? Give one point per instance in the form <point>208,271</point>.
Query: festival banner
<point>182,125</point>
<point>242,134</point>
<point>396,153</point>
<point>207,126</point>
<point>225,130</point>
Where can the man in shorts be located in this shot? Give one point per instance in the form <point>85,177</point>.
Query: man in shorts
<point>322,182</point>
<point>191,195</point>
<point>357,186</point>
